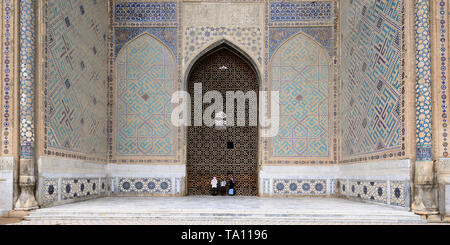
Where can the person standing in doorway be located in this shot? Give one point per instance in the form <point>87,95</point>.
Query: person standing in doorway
<point>223,187</point>
<point>231,187</point>
<point>214,183</point>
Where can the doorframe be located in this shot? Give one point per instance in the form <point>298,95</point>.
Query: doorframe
<point>187,71</point>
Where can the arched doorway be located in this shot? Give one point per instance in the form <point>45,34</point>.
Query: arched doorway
<point>222,151</point>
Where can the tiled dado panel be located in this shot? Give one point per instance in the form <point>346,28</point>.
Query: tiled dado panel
<point>55,190</point>
<point>372,94</point>
<point>298,186</point>
<point>395,193</point>
<point>151,185</point>
<point>75,84</point>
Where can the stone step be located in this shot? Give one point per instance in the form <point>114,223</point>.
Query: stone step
<point>306,217</point>
<point>256,220</point>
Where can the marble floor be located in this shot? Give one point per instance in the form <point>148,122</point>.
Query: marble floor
<point>221,210</point>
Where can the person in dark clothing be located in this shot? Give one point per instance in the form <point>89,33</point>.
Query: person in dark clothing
<point>223,187</point>
<point>231,187</point>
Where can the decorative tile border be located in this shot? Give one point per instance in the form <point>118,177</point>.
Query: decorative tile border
<point>7,77</point>
<point>443,32</point>
<point>301,11</point>
<point>145,12</point>
<point>27,82</point>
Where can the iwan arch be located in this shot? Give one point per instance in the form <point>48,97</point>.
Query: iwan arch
<point>87,86</point>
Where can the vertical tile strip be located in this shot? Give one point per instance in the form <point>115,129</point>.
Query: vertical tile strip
<point>423,78</point>
<point>6,77</point>
<point>443,73</point>
<point>27,54</point>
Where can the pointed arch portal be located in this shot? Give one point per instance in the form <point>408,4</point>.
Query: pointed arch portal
<point>222,152</point>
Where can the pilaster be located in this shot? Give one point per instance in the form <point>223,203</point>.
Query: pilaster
<point>425,192</point>
<point>27,179</point>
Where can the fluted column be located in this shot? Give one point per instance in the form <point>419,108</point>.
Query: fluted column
<point>27,179</point>
<point>424,183</point>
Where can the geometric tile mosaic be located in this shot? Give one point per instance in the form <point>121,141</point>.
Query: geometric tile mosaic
<point>49,191</point>
<point>145,75</point>
<point>145,185</point>
<point>368,190</point>
<point>300,71</point>
<point>371,97</point>
<point>75,86</point>
<point>399,193</point>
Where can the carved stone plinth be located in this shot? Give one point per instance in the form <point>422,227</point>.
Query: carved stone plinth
<point>27,200</point>
<point>425,190</point>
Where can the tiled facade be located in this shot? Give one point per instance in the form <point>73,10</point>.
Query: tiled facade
<point>75,97</point>
<point>110,68</point>
<point>308,103</point>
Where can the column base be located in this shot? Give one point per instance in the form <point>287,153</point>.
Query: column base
<point>27,200</point>
<point>425,197</point>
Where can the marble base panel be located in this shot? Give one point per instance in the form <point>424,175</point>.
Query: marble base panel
<point>386,182</point>
<point>6,184</point>
<point>64,181</point>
